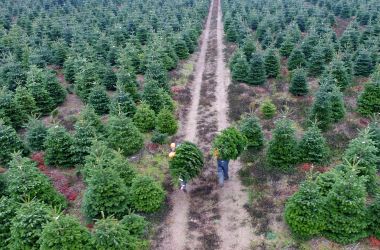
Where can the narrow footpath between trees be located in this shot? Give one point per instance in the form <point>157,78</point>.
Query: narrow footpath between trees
<point>208,217</point>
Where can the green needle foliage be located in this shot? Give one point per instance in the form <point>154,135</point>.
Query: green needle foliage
<point>272,63</point>
<point>339,74</point>
<point>122,103</point>
<point>369,99</point>
<point>167,122</point>
<point>28,224</point>
<point>106,193</point>
<point>282,152</point>
<point>187,162</point>
<point>250,127</point>
<point>268,109</point>
<point>240,69</point>
<point>296,59</point>
<point>298,83</point>
<point>8,208</point>
<point>313,147</point>
<point>58,147</point>
<point>146,195</point>
<point>35,135</point>
<point>321,111</point>
<point>66,233</point>
<point>124,135</point>
<point>363,65</point>
<point>229,144</point>
<point>99,99</point>
<point>144,118</point>
<point>257,74</point>
<point>9,143</point>
<point>25,181</point>
<point>374,218</point>
<point>303,211</point>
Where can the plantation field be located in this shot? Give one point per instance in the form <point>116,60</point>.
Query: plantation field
<point>115,116</point>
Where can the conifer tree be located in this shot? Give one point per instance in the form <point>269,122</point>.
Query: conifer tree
<point>303,211</point>
<point>156,97</point>
<point>374,135</point>
<point>339,74</point>
<point>58,147</point>
<point>313,147</point>
<point>8,208</point>
<point>88,117</point>
<point>108,77</point>
<point>166,122</point>
<point>54,88</point>
<point>144,118</point>
<point>321,111</point>
<point>181,49</point>
<point>369,99</point>
<point>155,71</point>
<point>345,202</point>
<point>338,110</point>
<point>122,103</point>
<point>249,47</point>
<point>282,150</point>
<point>44,102</point>
<point>82,141</point>
<point>240,69</point>
<point>35,135</point>
<point>250,127</point>
<point>296,59</point>
<point>126,79</point>
<point>106,193</point>
<point>85,79</point>
<point>363,64</point>
<point>317,62</point>
<point>109,233</point>
<point>65,232</point>
<point>99,99</point>
<point>28,224</point>
<point>257,73</point>
<point>268,109</point>
<point>272,64</point>
<point>9,143</point>
<point>362,152</point>
<point>287,47</point>
<point>25,101</point>
<point>124,135</point>
<point>374,218</point>
<point>298,84</point>
<point>10,110</point>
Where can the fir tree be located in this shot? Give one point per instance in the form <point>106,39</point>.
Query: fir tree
<point>85,79</point>
<point>338,110</point>
<point>321,111</point>
<point>58,147</point>
<point>257,73</point>
<point>109,233</point>
<point>10,110</point>
<point>249,47</point>
<point>44,102</point>
<point>268,109</point>
<point>374,134</point>
<point>99,100</point>
<point>250,127</point>
<point>272,64</point>
<point>240,69</point>
<point>362,152</point>
<point>317,62</point>
<point>374,217</point>
<point>25,101</point>
<point>9,143</point>
<point>54,88</point>
<point>181,49</point>
<point>144,118</point>
<point>313,147</point>
<point>35,135</point>
<point>123,135</point>
<point>108,77</point>
<point>65,232</point>
<point>304,213</point>
<point>296,59</point>
<point>82,141</point>
<point>126,79</point>
<point>155,71</point>
<point>369,99</point>
<point>156,97</point>
<point>8,208</point>
<point>88,117</point>
<point>287,47</point>
<point>106,193</point>
<point>339,74</point>
<point>28,224</point>
<point>298,84</point>
<point>363,64</point>
<point>122,103</point>
<point>345,203</point>
<point>166,122</point>
<point>282,151</point>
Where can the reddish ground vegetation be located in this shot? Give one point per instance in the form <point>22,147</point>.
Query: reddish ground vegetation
<point>374,242</point>
<point>65,181</point>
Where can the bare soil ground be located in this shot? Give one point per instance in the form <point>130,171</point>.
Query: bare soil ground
<point>207,217</point>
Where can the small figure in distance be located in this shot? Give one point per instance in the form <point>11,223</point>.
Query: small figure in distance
<point>182,181</point>
<point>222,168</point>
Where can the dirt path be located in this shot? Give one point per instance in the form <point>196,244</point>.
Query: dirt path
<point>208,217</point>
<point>174,236</point>
<point>235,227</point>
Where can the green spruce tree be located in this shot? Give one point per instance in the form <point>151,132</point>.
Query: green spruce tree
<point>272,63</point>
<point>313,147</point>
<point>298,83</point>
<point>257,74</point>
<point>99,99</point>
